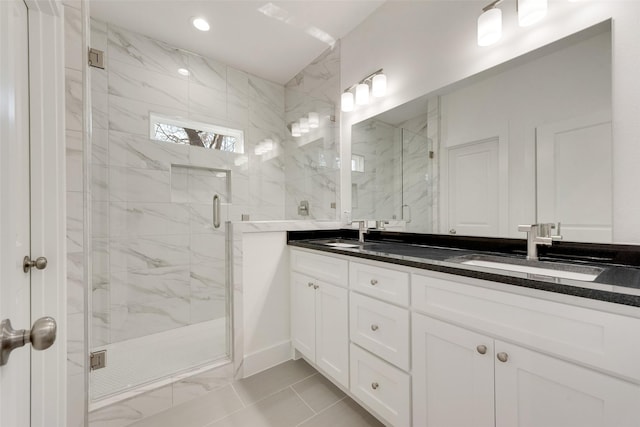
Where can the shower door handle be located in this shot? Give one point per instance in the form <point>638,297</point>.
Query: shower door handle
<point>216,211</point>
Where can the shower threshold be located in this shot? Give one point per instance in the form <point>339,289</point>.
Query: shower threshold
<point>142,364</point>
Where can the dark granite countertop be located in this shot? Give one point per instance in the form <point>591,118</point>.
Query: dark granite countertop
<point>619,282</point>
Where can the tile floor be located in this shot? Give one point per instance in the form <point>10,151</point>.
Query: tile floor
<point>290,394</point>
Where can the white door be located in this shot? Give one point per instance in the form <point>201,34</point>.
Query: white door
<point>535,390</point>
<point>14,207</point>
<point>574,169</point>
<point>473,189</point>
<point>332,331</point>
<point>452,375</point>
<point>303,315</point>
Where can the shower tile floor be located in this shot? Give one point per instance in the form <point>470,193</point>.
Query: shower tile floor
<point>290,394</point>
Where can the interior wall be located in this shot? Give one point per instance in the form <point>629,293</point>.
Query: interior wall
<point>433,44</point>
<point>312,165</point>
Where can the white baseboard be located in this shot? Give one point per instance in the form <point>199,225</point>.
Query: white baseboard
<point>266,358</point>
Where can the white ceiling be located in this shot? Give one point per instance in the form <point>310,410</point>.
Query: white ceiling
<point>241,35</point>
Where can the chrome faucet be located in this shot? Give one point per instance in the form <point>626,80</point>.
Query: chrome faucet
<point>539,234</point>
<point>362,229</point>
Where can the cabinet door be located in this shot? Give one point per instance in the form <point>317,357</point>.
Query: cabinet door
<point>332,332</point>
<point>452,375</point>
<point>303,318</point>
<point>534,390</point>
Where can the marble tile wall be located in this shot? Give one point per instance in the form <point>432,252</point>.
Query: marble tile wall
<point>312,165</point>
<point>158,263</point>
<point>377,192</point>
<point>418,174</point>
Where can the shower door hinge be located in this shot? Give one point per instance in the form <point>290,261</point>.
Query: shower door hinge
<point>96,58</point>
<point>97,360</point>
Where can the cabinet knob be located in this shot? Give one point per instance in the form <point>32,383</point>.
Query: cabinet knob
<point>316,286</point>
<point>482,349</point>
<point>375,386</point>
<point>502,356</point>
<point>373,282</point>
<point>310,284</point>
<point>374,327</point>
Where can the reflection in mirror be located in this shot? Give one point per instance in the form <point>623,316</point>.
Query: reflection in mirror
<point>527,141</point>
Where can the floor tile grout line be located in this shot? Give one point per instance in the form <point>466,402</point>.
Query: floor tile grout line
<point>303,401</point>
<point>318,413</point>
<point>244,405</point>
<point>273,392</point>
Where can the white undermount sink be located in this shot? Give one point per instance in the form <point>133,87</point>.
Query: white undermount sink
<point>342,245</point>
<point>540,268</point>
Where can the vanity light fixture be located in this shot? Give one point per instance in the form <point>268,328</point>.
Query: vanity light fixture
<point>379,85</point>
<point>201,24</point>
<point>375,82</point>
<point>490,24</point>
<point>295,130</point>
<point>304,125</point>
<point>531,11</point>
<point>314,120</point>
<point>347,102</point>
<point>490,21</point>
<point>362,94</point>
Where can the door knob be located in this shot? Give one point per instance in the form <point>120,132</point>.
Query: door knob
<point>41,336</point>
<point>40,263</point>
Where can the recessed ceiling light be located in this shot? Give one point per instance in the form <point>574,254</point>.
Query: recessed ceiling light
<point>201,24</point>
<point>183,71</point>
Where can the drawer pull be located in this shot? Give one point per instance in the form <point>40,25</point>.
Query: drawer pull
<point>373,282</point>
<point>310,284</point>
<point>374,327</point>
<point>482,349</point>
<point>375,386</point>
<point>316,286</point>
<point>503,357</point>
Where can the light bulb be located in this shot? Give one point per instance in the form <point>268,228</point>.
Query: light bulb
<point>362,94</point>
<point>304,125</point>
<point>201,24</point>
<point>314,120</point>
<point>531,11</point>
<point>183,72</point>
<point>489,27</point>
<point>295,130</point>
<point>346,102</point>
<point>379,85</point>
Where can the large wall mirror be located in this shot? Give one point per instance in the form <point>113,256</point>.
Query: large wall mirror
<point>527,141</point>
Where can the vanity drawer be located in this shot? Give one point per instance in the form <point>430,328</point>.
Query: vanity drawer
<point>595,338</point>
<point>381,328</point>
<point>384,388</point>
<point>379,282</point>
<point>327,268</point>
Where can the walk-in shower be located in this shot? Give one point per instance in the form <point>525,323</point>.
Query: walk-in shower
<point>161,190</point>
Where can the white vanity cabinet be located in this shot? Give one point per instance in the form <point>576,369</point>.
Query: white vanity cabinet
<point>457,373</point>
<point>475,373</point>
<point>319,312</point>
<point>431,349</point>
<point>379,325</point>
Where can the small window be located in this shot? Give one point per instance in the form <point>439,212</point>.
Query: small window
<point>198,134</point>
<point>357,163</point>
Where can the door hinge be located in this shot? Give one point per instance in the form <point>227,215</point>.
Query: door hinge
<point>431,154</point>
<point>97,360</point>
<point>96,58</point>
